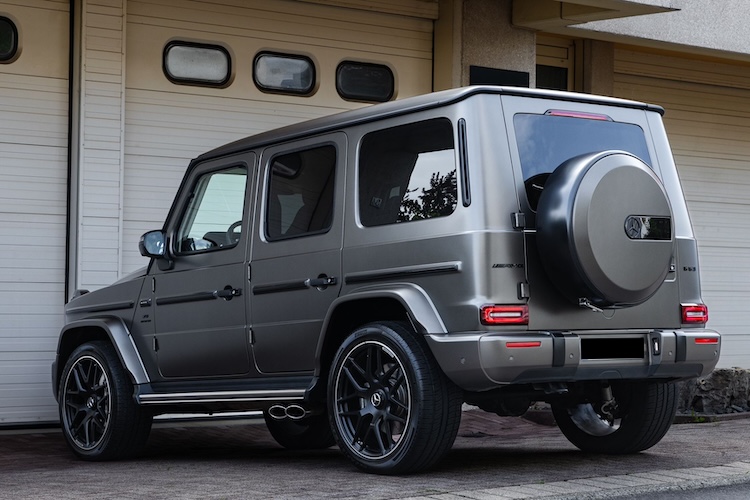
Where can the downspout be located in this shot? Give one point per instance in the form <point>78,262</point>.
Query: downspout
<point>74,120</point>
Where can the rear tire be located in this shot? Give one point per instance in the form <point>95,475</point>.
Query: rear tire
<point>645,412</point>
<point>392,409</point>
<point>99,417</point>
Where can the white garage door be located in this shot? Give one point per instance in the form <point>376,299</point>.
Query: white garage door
<point>708,121</point>
<point>167,124</point>
<point>33,187</point>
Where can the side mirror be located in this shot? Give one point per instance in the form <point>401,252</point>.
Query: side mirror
<point>153,244</point>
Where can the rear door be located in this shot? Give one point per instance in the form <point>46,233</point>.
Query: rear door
<point>544,135</point>
<point>296,255</point>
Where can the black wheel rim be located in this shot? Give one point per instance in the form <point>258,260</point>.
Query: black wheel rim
<point>593,422</point>
<point>373,401</point>
<point>87,402</point>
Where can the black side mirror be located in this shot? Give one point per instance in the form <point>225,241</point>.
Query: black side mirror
<point>153,244</point>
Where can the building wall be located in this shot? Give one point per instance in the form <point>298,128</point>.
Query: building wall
<point>707,117</point>
<point>710,28</point>
<point>98,186</point>
<point>33,209</point>
<point>138,130</point>
<point>479,33</point>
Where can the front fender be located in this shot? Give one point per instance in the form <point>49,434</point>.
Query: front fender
<point>77,332</point>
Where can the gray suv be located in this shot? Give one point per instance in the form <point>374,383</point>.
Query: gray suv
<point>358,277</point>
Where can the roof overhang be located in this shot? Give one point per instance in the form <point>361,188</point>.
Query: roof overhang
<point>554,15</point>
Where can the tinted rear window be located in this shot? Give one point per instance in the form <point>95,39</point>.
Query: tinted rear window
<point>546,141</point>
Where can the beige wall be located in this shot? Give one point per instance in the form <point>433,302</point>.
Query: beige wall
<point>598,67</point>
<point>480,33</point>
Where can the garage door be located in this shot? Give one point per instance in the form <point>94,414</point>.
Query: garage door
<point>708,121</point>
<point>33,187</point>
<point>167,123</point>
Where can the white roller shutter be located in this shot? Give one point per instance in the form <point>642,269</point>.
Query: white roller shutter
<point>708,121</point>
<point>33,191</point>
<point>167,124</point>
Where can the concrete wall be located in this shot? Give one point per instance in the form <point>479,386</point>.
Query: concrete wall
<point>479,33</point>
<point>598,67</point>
<point>710,28</point>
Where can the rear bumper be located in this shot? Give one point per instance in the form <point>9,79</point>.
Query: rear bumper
<point>478,361</point>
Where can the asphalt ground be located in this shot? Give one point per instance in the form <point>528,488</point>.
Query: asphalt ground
<point>493,458</point>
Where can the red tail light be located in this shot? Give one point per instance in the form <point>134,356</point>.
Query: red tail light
<point>505,315</point>
<point>707,340</point>
<point>578,114</point>
<point>522,345</point>
<point>694,313</point>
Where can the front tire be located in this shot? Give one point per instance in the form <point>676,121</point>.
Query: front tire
<point>99,418</point>
<point>643,414</point>
<point>392,409</point>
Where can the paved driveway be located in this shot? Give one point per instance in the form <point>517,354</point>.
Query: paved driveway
<point>494,457</point>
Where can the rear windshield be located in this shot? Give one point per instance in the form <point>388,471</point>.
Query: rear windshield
<point>545,141</point>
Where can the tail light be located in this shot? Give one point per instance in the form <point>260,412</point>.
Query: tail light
<point>505,315</point>
<point>578,114</point>
<point>707,340</point>
<point>523,345</point>
<point>693,314</point>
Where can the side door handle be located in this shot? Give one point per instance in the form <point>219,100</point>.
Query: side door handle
<point>228,293</point>
<point>321,283</point>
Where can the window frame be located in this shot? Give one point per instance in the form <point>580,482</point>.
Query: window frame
<point>197,82</point>
<point>12,54</point>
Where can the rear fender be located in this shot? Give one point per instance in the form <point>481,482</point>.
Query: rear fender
<point>418,306</point>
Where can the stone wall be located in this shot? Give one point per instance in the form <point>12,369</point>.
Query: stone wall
<point>725,390</point>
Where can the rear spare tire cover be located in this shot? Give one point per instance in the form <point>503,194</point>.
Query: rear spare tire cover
<point>604,229</point>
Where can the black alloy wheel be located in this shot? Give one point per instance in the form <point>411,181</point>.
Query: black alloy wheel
<point>100,420</point>
<point>87,402</point>
<point>636,419</point>
<point>392,409</point>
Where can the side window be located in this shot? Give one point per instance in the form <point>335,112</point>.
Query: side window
<point>213,218</point>
<point>407,173</point>
<point>8,40</point>
<point>300,193</point>
<point>188,63</point>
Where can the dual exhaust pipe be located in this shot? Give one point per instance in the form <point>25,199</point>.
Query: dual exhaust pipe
<point>292,412</point>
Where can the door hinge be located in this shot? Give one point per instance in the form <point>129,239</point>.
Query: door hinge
<point>519,220</point>
<point>523,290</point>
<point>250,336</point>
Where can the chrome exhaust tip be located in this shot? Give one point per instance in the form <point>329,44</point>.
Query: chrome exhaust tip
<point>296,412</point>
<point>277,412</point>
<point>292,412</point>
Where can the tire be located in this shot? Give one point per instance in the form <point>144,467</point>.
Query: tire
<point>311,433</point>
<point>605,230</point>
<point>645,411</point>
<point>98,415</point>
<point>392,409</point>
